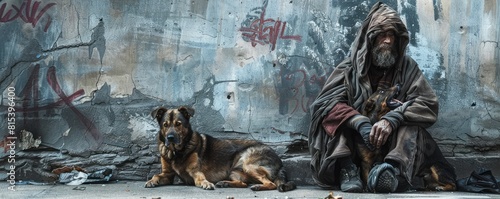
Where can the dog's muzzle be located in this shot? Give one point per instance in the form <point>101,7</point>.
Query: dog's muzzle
<point>392,102</point>
<point>171,138</point>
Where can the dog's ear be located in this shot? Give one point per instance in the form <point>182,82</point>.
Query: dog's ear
<point>158,113</point>
<point>187,112</point>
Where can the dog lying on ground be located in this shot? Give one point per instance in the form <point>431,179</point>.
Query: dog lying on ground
<point>437,175</point>
<point>201,160</point>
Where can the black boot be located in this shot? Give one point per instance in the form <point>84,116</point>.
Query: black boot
<point>350,180</point>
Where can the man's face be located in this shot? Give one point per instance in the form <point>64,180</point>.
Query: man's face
<point>383,53</point>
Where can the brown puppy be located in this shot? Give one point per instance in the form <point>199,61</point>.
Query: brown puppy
<point>201,160</point>
<point>439,175</point>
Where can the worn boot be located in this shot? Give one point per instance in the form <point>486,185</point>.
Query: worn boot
<point>350,180</point>
<point>383,179</point>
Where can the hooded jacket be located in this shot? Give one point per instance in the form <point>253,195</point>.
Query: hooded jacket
<point>349,84</point>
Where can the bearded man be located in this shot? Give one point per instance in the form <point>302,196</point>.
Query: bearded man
<point>377,60</point>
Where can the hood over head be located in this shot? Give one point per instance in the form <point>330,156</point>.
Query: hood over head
<point>380,19</point>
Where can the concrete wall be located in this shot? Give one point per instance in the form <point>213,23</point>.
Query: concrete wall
<point>87,74</point>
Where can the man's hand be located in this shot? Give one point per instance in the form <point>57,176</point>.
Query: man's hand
<point>380,133</point>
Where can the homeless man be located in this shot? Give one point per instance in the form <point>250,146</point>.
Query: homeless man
<point>377,60</point>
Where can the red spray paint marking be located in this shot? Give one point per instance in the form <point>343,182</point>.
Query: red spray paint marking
<point>31,91</point>
<point>52,80</point>
<point>27,12</point>
<point>266,31</point>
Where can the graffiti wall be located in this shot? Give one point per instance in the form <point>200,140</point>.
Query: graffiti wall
<point>80,78</point>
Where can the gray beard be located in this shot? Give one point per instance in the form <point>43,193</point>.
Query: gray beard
<point>383,57</point>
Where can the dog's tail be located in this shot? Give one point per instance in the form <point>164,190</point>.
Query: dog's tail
<point>282,183</point>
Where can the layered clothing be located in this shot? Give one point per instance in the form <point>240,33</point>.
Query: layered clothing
<point>350,85</point>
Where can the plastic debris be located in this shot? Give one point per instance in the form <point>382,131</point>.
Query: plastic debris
<point>100,176</point>
<point>73,178</point>
<point>78,176</point>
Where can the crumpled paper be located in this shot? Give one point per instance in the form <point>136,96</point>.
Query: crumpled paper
<point>76,177</point>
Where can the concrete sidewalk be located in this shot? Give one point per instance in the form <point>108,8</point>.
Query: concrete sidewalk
<point>134,189</point>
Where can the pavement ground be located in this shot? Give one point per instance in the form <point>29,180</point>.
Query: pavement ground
<point>136,190</point>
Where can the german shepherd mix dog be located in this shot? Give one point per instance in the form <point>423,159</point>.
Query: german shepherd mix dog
<point>201,160</point>
<point>438,176</point>
<point>378,104</point>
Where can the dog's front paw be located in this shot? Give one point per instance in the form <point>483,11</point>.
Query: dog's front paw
<point>158,180</point>
<point>207,185</point>
<point>151,183</point>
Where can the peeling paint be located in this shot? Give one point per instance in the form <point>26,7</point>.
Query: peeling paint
<point>427,59</point>
<point>143,128</point>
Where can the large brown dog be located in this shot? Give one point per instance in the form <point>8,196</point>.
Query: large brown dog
<point>438,175</point>
<point>201,160</point>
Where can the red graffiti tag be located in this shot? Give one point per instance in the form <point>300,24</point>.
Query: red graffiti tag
<point>51,78</point>
<point>266,31</point>
<point>30,91</point>
<point>28,12</point>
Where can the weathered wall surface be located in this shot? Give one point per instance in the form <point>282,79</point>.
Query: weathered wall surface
<point>87,74</point>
